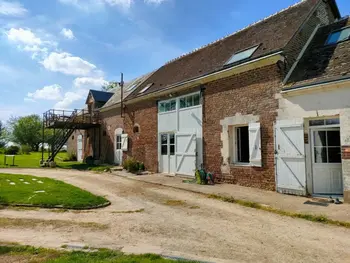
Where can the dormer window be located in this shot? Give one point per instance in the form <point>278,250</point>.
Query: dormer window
<point>146,88</point>
<point>241,55</point>
<point>338,36</point>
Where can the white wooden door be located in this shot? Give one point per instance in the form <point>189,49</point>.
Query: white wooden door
<point>290,157</point>
<point>326,161</point>
<point>186,153</point>
<point>80,148</point>
<point>118,152</point>
<point>167,153</point>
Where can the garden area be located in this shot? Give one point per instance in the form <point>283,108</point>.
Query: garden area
<point>34,191</point>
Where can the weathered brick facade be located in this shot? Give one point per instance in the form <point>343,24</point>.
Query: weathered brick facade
<point>251,92</point>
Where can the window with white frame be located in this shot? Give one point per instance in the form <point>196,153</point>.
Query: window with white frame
<point>167,106</point>
<point>246,145</point>
<point>190,101</point>
<point>242,144</point>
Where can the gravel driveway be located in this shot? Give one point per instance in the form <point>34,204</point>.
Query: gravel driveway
<point>148,218</point>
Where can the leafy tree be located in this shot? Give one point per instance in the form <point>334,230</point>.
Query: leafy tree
<point>2,134</point>
<point>27,131</point>
<point>110,86</point>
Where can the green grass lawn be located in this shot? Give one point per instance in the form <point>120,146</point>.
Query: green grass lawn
<point>44,192</point>
<point>31,160</point>
<point>40,255</point>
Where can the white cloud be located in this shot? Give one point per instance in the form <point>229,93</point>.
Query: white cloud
<point>23,36</point>
<point>12,9</point>
<point>69,98</point>
<point>67,33</point>
<point>95,5</point>
<point>86,82</point>
<point>156,2</point>
<point>52,92</point>
<point>68,64</point>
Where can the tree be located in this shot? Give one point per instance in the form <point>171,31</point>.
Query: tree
<point>2,133</point>
<point>27,131</point>
<point>110,86</point>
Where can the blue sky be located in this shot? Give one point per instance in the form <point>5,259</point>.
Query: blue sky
<point>53,51</point>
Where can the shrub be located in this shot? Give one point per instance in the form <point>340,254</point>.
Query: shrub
<point>141,166</point>
<point>26,149</point>
<point>2,150</point>
<point>131,165</point>
<point>63,150</point>
<point>71,157</point>
<point>13,150</point>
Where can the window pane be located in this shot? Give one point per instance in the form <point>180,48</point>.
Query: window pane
<point>164,139</point>
<point>172,149</point>
<point>164,150</point>
<point>316,122</point>
<point>320,138</point>
<point>332,121</point>
<point>173,105</point>
<point>172,138</point>
<point>242,55</point>
<point>243,145</point>
<point>333,138</point>
<point>161,107</point>
<point>334,155</point>
<point>182,103</point>
<point>320,154</point>
<point>189,101</point>
<point>334,38</point>
<point>196,100</point>
<point>167,106</point>
<point>344,34</point>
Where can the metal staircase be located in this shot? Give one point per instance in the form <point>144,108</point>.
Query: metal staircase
<point>64,123</point>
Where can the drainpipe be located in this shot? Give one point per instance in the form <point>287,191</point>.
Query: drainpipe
<point>122,94</point>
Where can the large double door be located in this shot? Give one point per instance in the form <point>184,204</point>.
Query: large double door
<point>178,153</point>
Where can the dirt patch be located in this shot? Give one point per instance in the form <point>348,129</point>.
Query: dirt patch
<point>24,223</point>
<point>217,232</point>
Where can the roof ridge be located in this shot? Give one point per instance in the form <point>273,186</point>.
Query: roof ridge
<point>236,32</point>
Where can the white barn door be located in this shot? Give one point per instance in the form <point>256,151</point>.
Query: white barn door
<point>186,153</point>
<point>290,157</point>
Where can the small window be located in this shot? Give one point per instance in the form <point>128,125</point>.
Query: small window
<point>172,144</point>
<point>146,88</point>
<point>324,122</point>
<point>73,137</point>
<point>132,87</point>
<point>339,36</point>
<point>327,147</point>
<point>242,144</point>
<point>136,129</point>
<point>190,101</point>
<point>245,54</point>
<point>118,143</point>
<point>167,106</point>
<point>164,144</point>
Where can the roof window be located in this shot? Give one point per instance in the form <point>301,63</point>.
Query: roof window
<point>146,88</point>
<point>132,87</point>
<point>241,55</point>
<point>338,36</point>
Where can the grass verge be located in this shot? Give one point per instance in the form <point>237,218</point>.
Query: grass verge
<point>309,217</point>
<point>29,223</point>
<point>41,255</point>
<point>45,192</point>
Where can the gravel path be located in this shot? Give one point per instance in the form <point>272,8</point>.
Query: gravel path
<point>148,218</point>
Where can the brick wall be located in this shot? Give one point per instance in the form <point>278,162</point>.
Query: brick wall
<point>322,15</point>
<point>143,145</point>
<point>111,120</point>
<point>253,93</point>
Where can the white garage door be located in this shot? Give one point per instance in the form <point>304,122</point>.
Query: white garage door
<point>186,153</point>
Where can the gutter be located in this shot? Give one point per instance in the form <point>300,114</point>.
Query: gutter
<point>269,60</point>
<point>320,84</point>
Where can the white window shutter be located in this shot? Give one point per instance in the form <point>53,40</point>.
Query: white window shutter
<point>125,142</point>
<point>255,144</point>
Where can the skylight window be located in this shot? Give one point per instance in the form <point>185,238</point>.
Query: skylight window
<point>339,36</point>
<point>146,88</point>
<point>242,55</point>
<point>132,87</point>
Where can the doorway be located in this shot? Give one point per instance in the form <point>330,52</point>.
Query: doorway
<point>167,153</point>
<point>118,152</point>
<point>326,161</point>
